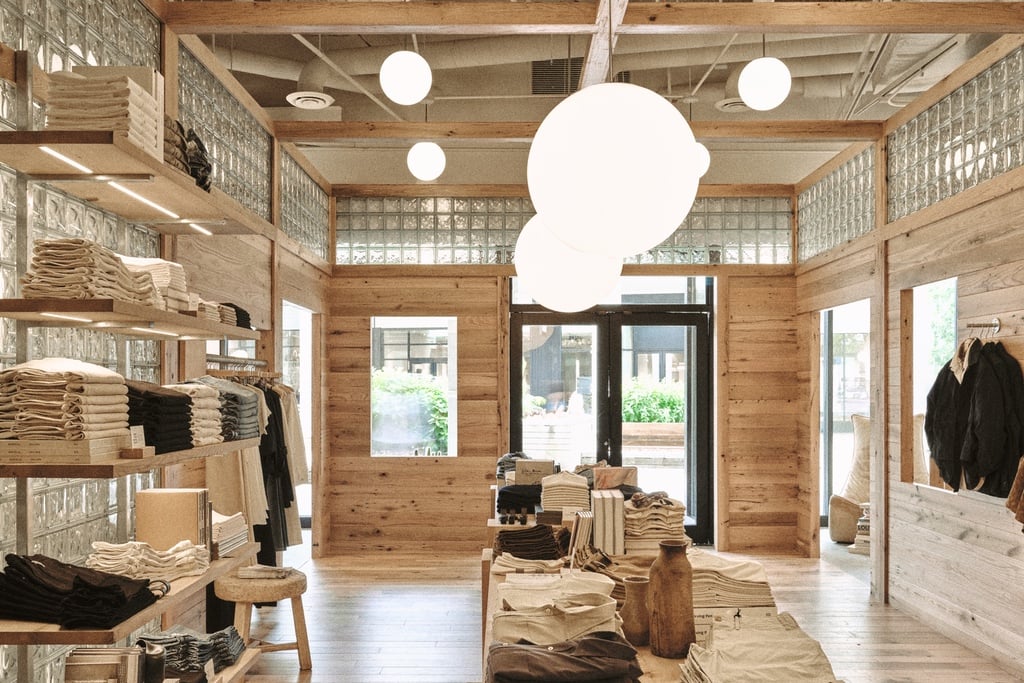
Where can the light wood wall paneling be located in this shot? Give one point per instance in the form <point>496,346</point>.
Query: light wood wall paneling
<point>808,463</point>
<point>235,268</point>
<point>762,451</point>
<point>839,282</point>
<point>723,394</point>
<point>301,282</point>
<point>412,503</point>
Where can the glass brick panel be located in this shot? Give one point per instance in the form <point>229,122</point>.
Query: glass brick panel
<point>837,208</point>
<point>237,145</point>
<point>970,136</point>
<point>305,208</point>
<point>485,230</point>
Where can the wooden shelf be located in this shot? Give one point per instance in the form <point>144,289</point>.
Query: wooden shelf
<point>236,672</point>
<point>107,154</point>
<point>36,633</point>
<point>110,315</point>
<point>118,468</point>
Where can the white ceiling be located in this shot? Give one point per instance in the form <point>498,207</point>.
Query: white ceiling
<point>488,78</point>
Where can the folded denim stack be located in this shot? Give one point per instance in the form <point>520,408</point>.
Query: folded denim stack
<point>765,650</point>
<point>188,652</point>
<point>140,560</point>
<point>652,518</point>
<point>74,268</point>
<point>105,102</point>
<point>240,401</point>
<point>168,278</point>
<point>164,414</point>
<point>205,423</point>
<point>599,657</point>
<point>241,316</point>
<point>62,398</point>
<point>530,543</point>
<point>41,588</point>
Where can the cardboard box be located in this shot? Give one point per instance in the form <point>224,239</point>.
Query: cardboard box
<point>164,517</point>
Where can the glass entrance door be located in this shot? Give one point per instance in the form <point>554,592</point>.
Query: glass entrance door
<point>629,388</point>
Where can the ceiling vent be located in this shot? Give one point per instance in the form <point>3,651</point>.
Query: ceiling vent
<point>732,103</point>
<point>555,76</point>
<point>309,99</point>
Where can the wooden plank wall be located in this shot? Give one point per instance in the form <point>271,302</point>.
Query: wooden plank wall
<point>957,560</point>
<point>417,503</point>
<point>763,398</point>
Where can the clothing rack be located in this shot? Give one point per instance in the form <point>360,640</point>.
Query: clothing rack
<point>241,374</point>
<point>994,326</point>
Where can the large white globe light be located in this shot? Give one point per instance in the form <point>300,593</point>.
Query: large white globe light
<point>559,277</point>
<point>764,83</point>
<point>611,169</point>
<point>426,160</point>
<point>405,77</point>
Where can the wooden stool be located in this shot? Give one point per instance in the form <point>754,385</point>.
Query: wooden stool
<point>245,592</point>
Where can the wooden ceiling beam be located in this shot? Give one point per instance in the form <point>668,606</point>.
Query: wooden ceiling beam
<point>523,131</point>
<point>602,44</point>
<point>494,18</point>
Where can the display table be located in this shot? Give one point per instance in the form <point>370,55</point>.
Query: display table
<point>656,669</point>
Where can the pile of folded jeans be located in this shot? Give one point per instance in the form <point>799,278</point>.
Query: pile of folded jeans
<point>164,414</point>
<point>239,406</point>
<point>603,657</point>
<point>530,543</point>
<point>41,588</point>
<point>205,422</point>
<point>187,651</point>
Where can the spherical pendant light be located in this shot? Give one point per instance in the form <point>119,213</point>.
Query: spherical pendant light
<point>426,160</point>
<point>405,77</point>
<point>611,169</point>
<point>559,277</point>
<point>701,159</point>
<point>764,83</point>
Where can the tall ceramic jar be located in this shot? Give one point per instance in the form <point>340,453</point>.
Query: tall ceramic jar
<point>670,601</point>
<point>636,622</point>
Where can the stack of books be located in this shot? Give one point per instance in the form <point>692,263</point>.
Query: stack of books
<point>609,519</point>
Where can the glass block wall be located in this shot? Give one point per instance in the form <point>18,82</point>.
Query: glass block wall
<point>304,208</point>
<point>237,145</point>
<point>446,230</point>
<point>973,134</point>
<point>69,513</point>
<point>837,208</point>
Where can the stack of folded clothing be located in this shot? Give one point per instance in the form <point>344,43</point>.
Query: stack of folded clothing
<point>241,316</point>
<point>229,532</point>
<point>168,278</point>
<point>241,401</point>
<point>540,542</point>
<point>564,490</point>
<point>41,588</point>
<point>188,652</point>
<point>597,657</point>
<point>517,499</point>
<point>140,560</point>
<point>557,609</point>
<point>227,315</point>
<point>105,102</point>
<point>205,424</point>
<point>74,268</point>
<point>652,518</point>
<point>62,398</point>
<point>165,415</point>
<point>199,166</point>
<point>175,153</point>
<point>763,649</point>
<point>726,582</point>
<point>208,310</point>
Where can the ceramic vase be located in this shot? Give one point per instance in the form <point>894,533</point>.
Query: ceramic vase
<point>670,602</point>
<point>636,621</point>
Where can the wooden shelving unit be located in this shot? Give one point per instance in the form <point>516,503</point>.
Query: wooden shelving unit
<point>112,157</point>
<point>37,633</point>
<point>120,467</point>
<point>110,315</point>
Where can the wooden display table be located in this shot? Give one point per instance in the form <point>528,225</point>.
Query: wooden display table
<point>656,669</point>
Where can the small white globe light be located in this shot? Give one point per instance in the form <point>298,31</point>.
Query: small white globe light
<point>426,160</point>
<point>559,277</point>
<point>611,169</point>
<point>764,83</point>
<point>701,159</point>
<point>405,77</point>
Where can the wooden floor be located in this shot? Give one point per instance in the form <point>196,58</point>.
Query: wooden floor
<point>401,618</point>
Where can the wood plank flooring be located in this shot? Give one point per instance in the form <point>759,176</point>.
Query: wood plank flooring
<point>403,618</point>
